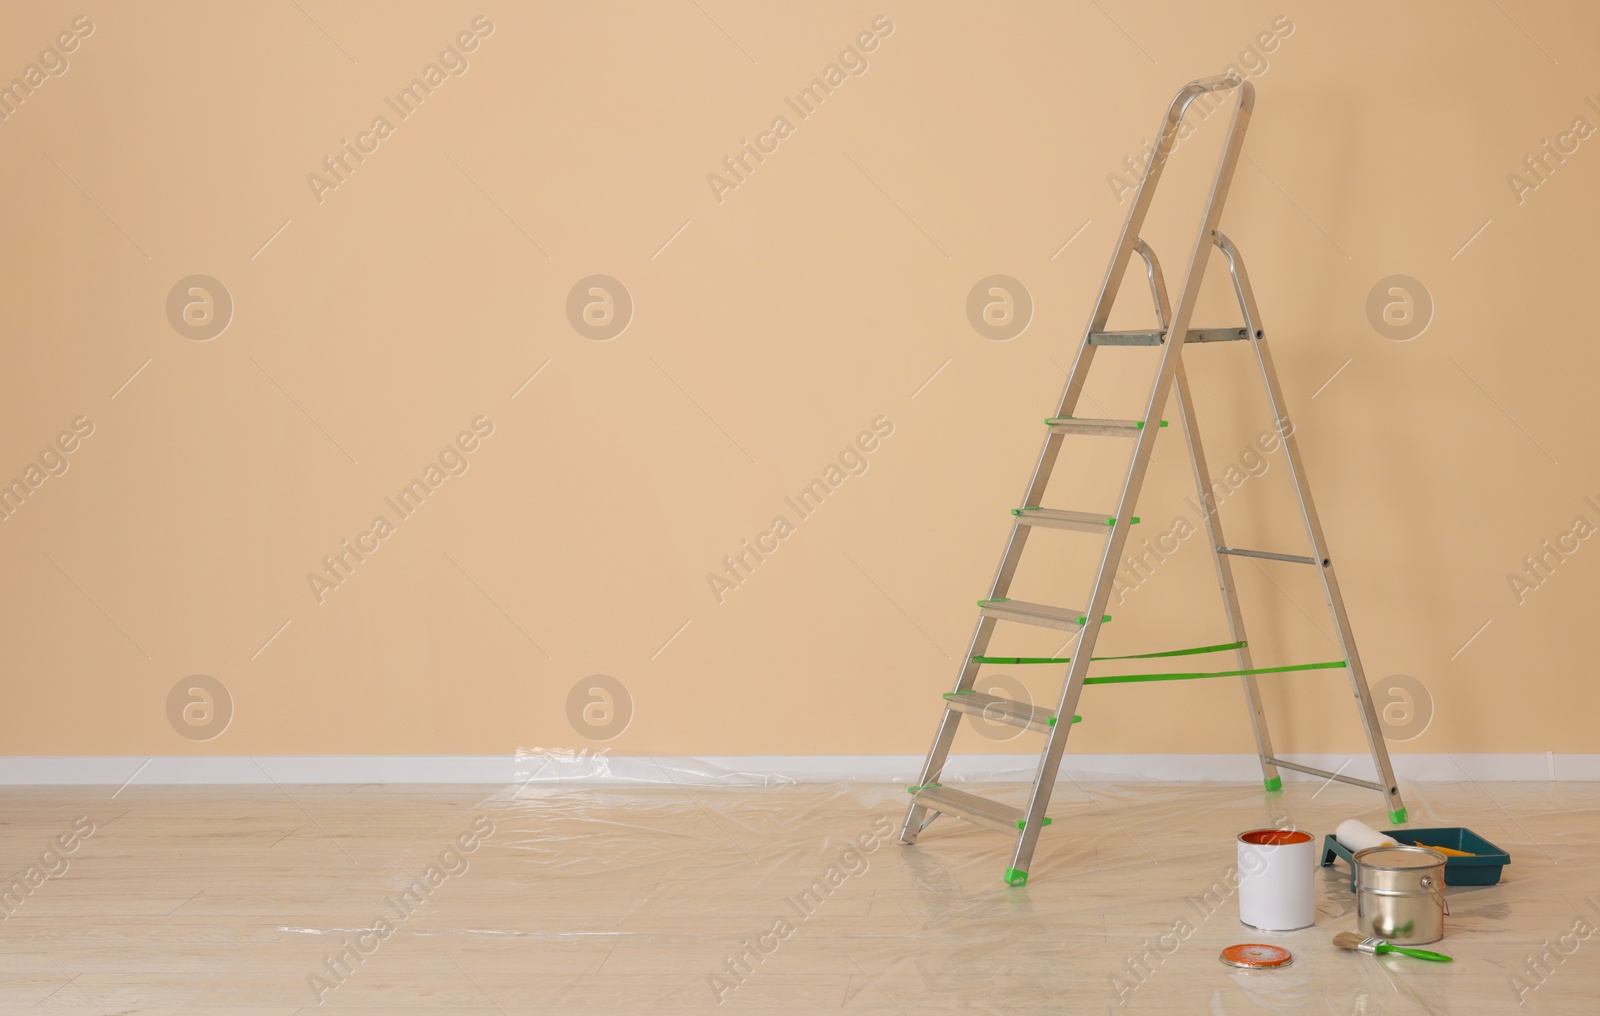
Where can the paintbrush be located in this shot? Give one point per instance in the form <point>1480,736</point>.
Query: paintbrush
<point>1377,947</point>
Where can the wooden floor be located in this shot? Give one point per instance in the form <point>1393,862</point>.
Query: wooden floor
<point>274,901</point>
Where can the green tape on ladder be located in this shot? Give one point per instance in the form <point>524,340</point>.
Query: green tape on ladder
<point>1020,660</point>
<point>1022,823</point>
<point>1137,678</point>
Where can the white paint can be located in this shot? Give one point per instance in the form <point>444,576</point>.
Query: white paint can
<point>1277,879</point>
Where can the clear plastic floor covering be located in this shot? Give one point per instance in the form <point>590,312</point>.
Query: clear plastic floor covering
<point>683,897</point>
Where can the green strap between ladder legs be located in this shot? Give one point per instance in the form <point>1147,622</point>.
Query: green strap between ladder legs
<point>1019,660</point>
<point>1137,678</point>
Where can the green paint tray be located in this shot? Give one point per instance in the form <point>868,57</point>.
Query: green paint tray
<point>1482,869</point>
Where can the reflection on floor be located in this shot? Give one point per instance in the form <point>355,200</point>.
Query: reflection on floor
<point>790,899</point>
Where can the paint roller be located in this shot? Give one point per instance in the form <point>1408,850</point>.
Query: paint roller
<point>1356,835</point>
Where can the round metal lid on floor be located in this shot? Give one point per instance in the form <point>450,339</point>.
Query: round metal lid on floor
<point>1255,956</point>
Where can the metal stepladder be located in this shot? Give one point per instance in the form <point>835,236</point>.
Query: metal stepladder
<point>1173,333</point>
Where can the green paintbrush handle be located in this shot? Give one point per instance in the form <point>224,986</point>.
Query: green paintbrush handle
<point>1421,954</point>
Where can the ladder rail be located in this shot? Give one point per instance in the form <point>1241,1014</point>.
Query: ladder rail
<point>1213,525</point>
<point>1143,197</point>
<point>933,764</point>
<point>950,723</point>
<point>1128,242</point>
<point>1313,525</point>
<point>1225,579</point>
<point>1194,274</point>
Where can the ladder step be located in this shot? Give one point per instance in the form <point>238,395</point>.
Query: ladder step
<point>1118,428</point>
<point>975,809</point>
<point>1157,337</point>
<point>1002,710</point>
<point>1038,614</point>
<point>1267,555</point>
<point>1057,518</point>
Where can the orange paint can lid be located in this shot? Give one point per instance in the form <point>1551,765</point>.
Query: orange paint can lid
<point>1255,956</point>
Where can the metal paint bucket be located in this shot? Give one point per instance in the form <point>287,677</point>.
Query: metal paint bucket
<point>1399,894</point>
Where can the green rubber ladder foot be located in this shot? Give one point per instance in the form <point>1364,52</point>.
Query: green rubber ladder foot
<point>1276,783</point>
<point>1015,877</point>
<point>1397,817</point>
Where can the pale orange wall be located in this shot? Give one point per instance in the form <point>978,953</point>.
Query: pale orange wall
<point>772,323</point>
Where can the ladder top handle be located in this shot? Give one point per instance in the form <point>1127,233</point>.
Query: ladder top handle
<point>1198,87</point>
<point>1186,97</point>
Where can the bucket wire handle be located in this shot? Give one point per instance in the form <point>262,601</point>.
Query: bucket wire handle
<point>1427,881</point>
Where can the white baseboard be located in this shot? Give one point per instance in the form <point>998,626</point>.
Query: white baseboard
<point>749,770</point>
